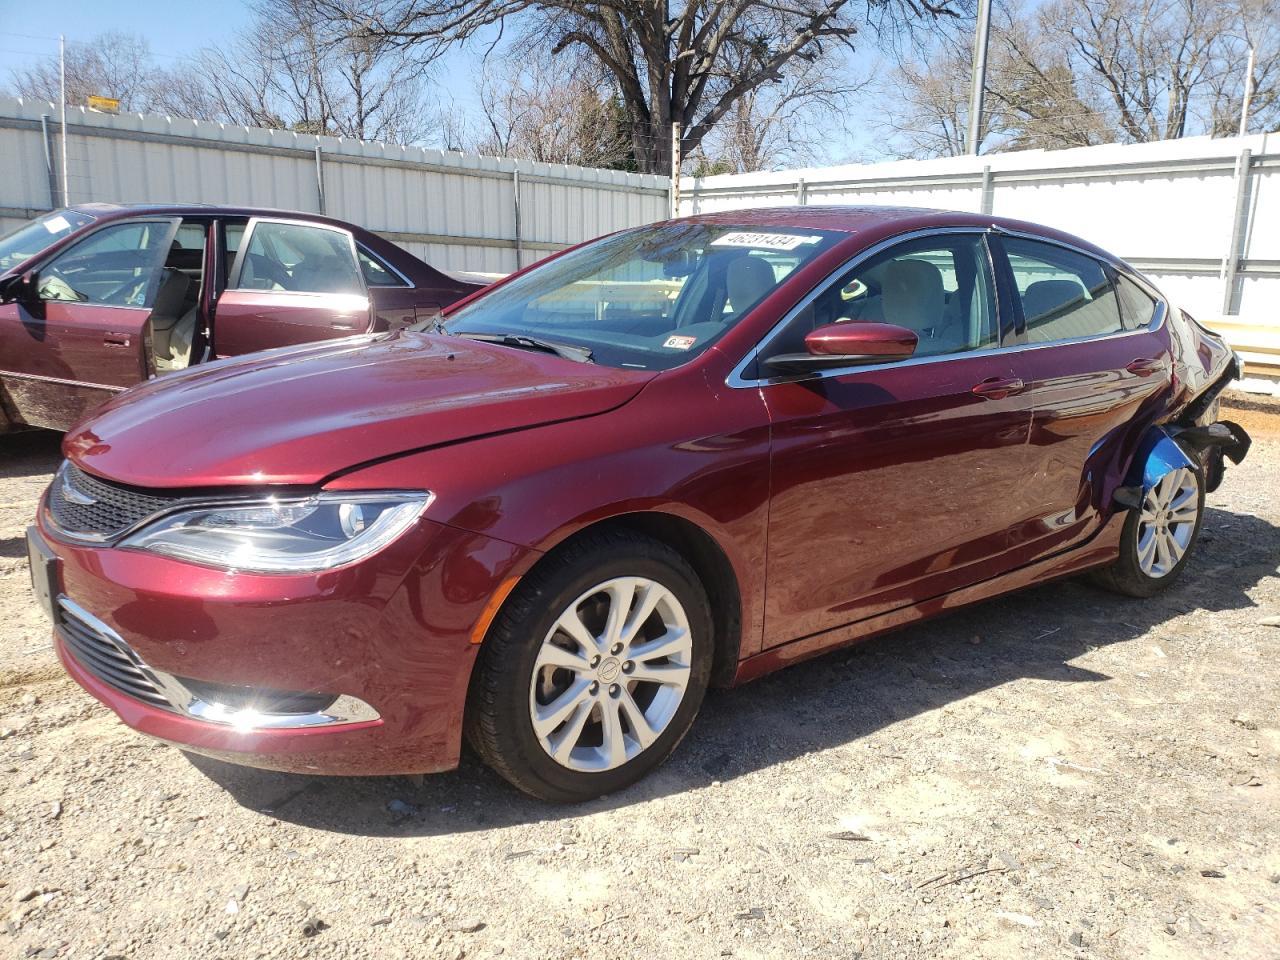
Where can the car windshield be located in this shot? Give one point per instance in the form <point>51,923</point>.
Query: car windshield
<point>651,298</point>
<point>30,238</point>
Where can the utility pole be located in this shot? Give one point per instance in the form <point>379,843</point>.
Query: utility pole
<point>62,95</point>
<point>1248,94</point>
<point>675,168</point>
<point>979,75</point>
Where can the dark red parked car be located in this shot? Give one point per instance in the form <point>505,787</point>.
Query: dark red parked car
<point>98,297</point>
<point>682,455</point>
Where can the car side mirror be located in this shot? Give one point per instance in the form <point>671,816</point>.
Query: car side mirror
<point>19,288</point>
<point>848,344</point>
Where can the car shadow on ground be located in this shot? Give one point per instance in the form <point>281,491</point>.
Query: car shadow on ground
<point>826,702</point>
<point>29,453</point>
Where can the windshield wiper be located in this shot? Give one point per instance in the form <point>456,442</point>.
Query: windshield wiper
<point>567,350</point>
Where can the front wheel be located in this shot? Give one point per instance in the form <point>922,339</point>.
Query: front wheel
<point>1157,538</point>
<point>594,669</point>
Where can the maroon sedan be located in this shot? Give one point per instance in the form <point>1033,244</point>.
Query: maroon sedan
<point>682,455</point>
<point>98,297</point>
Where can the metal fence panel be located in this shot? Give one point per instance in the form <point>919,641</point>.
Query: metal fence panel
<point>455,210</point>
<point>1186,212</point>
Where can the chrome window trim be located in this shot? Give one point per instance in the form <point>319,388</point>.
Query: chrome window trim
<point>737,380</point>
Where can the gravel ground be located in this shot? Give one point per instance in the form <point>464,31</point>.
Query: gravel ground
<point>1058,773</point>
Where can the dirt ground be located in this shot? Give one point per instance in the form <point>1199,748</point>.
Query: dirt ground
<point>1058,773</point>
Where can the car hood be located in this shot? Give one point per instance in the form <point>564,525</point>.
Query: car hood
<point>300,415</point>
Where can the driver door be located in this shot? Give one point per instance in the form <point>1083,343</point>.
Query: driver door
<point>892,482</point>
<point>78,337</point>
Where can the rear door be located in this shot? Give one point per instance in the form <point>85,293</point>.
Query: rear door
<point>292,282</point>
<point>396,303</point>
<point>1095,361</point>
<point>81,338</point>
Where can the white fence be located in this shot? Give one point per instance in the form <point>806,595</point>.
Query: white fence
<point>1200,216</point>
<point>456,211</point>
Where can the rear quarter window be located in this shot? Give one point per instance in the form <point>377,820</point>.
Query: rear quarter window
<point>1137,307</point>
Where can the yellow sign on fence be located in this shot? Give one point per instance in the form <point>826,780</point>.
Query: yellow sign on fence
<point>103,104</point>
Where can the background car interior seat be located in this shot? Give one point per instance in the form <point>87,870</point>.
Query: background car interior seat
<point>175,310</point>
<point>1062,310</point>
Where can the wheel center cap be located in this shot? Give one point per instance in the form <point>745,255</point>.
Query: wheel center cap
<point>609,670</point>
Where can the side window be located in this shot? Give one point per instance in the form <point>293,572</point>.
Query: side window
<point>298,258</point>
<point>115,266</point>
<point>1137,307</point>
<point>939,287</point>
<point>376,273</point>
<point>1065,295</point>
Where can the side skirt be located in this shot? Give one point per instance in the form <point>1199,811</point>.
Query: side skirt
<point>1102,549</point>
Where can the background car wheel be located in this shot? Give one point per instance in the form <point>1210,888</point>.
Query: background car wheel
<point>594,669</point>
<point>1157,538</point>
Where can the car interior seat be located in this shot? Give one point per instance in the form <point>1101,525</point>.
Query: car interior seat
<point>1052,301</point>
<point>173,320</point>
<point>323,274</point>
<point>913,297</point>
<point>747,281</point>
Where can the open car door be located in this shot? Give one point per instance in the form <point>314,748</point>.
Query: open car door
<point>74,333</point>
<point>292,282</point>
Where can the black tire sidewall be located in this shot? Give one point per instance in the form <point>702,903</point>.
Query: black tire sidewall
<point>518,746</point>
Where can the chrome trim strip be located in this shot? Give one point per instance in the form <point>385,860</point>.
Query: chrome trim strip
<point>737,380</point>
<point>345,709</point>
<point>60,381</point>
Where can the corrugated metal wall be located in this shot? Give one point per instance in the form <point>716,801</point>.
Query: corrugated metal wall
<point>457,211</point>
<point>1200,216</point>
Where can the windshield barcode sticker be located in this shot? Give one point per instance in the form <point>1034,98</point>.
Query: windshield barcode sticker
<point>765,241</point>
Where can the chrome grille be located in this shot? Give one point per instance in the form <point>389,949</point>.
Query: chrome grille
<point>101,651</point>
<point>86,507</point>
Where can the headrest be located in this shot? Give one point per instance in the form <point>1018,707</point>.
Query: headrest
<point>172,294</point>
<point>748,280</point>
<point>913,296</point>
<point>1045,297</point>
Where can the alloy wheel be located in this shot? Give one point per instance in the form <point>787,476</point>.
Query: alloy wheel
<point>611,673</point>
<point>1167,522</point>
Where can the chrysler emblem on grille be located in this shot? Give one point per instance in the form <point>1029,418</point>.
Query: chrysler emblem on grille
<point>75,496</point>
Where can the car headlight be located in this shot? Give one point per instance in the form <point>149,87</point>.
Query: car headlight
<point>284,535</point>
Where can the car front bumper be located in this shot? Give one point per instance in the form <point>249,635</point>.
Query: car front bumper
<point>358,671</point>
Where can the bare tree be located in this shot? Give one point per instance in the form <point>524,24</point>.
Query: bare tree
<point>689,62</point>
<point>1257,25</point>
<point>293,70</point>
<point>796,121</point>
<point>112,64</point>
<point>1081,72</point>
<point>534,111</point>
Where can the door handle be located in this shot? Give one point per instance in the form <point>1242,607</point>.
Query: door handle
<point>1144,367</point>
<point>116,339</point>
<point>997,388</point>
<point>339,325</point>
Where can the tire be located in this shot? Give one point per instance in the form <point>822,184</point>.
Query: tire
<point>554,678</point>
<point>1138,572</point>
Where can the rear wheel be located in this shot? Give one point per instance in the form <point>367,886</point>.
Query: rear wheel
<point>594,669</point>
<point>1158,537</point>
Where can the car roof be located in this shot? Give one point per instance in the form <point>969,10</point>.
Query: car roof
<point>875,223</point>
<point>107,211</point>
